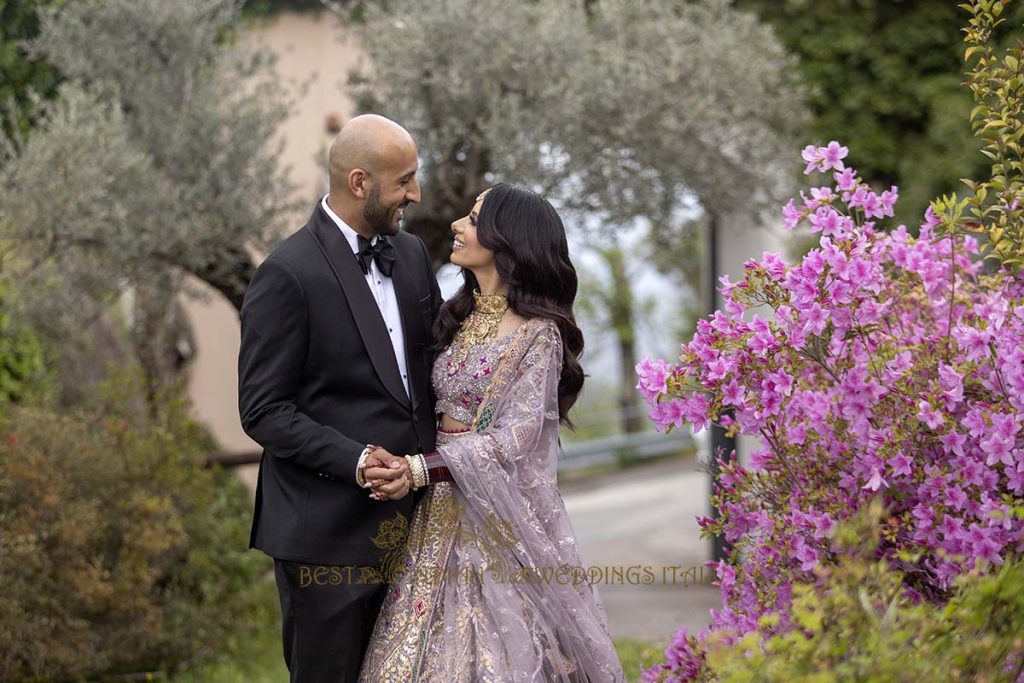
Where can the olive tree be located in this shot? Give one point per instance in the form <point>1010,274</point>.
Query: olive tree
<point>159,155</point>
<point>623,109</point>
<point>156,162</point>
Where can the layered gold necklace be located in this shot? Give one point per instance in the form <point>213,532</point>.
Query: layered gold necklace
<point>479,324</point>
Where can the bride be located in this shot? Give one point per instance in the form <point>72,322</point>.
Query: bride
<point>490,586</point>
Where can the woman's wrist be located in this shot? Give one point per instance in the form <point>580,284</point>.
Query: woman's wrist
<point>418,469</point>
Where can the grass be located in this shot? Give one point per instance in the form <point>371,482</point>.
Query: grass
<point>257,658</point>
<point>635,654</point>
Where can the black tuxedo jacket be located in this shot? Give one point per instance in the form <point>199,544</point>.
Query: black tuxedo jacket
<point>318,381</point>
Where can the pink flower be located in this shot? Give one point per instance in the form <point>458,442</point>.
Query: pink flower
<point>889,199</point>
<point>951,526</point>
<point>1005,425</point>
<point>952,383</point>
<point>733,394</point>
<point>823,525</point>
<point>805,554</point>
<point>762,343</point>
<point>1015,478</point>
<point>815,319</point>
<point>653,380</point>
<point>955,496</point>
<point>982,544</point>
<point>791,215</point>
<point>846,180</point>
<point>774,264</point>
<point>876,481</point>
<point>813,264</point>
<point>901,465</point>
<point>822,196</point>
<point>797,433</point>
<point>667,414</point>
<point>695,411</point>
<point>825,220</point>
<point>832,156</point>
<point>953,442</point>
<point>848,371</point>
<point>726,285</point>
<point>872,205</point>
<point>719,368</point>
<point>998,448</point>
<point>812,155</point>
<point>928,415</point>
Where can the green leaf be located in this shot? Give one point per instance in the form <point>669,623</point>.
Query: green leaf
<point>971,51</point>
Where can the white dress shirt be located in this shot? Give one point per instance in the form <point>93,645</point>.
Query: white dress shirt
<point>383,290</point>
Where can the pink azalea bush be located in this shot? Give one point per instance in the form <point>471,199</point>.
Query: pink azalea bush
<point>881,366</point>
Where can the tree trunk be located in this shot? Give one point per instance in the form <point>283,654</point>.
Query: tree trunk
<point>232,279</point>
<point>161,336</point>
<point>620,313</point>
<point>722,445</point>
<point>450,189</point>
<point>435,231</point>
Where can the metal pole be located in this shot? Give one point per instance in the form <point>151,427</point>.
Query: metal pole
<point>720,443</point>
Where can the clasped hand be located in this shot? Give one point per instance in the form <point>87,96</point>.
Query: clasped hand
<point>387,475</point>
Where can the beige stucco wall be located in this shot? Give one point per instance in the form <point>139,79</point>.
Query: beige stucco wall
<point>314,65</point>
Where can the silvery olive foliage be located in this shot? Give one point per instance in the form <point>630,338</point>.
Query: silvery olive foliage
<point>620,109</point>
<point>159,156</point>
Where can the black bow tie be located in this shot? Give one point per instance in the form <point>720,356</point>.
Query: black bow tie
<point>382,252</point>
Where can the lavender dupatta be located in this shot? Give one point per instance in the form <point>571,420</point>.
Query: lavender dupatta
<point>491,587</point>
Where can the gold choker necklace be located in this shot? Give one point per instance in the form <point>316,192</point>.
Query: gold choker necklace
<point>480,323</point>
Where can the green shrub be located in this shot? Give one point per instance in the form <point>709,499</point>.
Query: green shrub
<point>22,367</point>
<point>858,624</point>
<point>119,553</point>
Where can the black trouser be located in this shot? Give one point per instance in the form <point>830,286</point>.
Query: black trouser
<point>327,622</point>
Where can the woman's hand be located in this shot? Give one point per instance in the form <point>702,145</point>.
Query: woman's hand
<point>387,475</point>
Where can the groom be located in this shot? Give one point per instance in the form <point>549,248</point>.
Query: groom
<point>336,325</point>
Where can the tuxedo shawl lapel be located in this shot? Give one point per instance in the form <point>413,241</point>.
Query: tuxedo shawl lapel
<point>407,306</point>
<point>364,309</point>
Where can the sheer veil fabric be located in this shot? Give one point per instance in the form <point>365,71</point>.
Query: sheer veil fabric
<point>490,586</point>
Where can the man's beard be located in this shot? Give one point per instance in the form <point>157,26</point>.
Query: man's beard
<point>378,216</point>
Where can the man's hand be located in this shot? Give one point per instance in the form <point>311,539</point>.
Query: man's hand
<point>388,475</point>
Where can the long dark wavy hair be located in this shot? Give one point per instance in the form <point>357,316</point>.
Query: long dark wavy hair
<point>531,255</point>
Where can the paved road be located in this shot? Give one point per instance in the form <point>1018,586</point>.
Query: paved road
<point>644,519</point>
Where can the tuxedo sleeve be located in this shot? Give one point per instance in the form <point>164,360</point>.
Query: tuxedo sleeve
<point>274,344</point>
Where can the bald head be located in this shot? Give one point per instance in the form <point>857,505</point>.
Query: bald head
<point>373,164</point>
<point>369,142</point>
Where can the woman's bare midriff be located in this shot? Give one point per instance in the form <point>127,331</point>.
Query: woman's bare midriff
<point>451,425</point>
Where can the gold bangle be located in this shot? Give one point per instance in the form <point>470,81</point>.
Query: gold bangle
<point>421,470</point>
<point>418,471</point>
